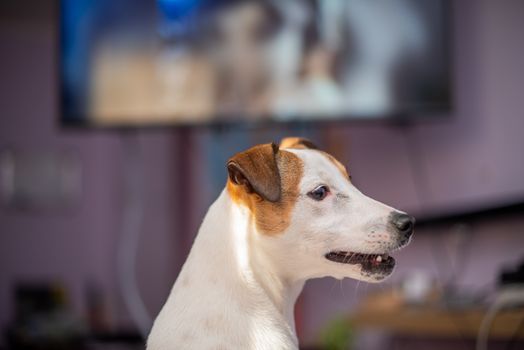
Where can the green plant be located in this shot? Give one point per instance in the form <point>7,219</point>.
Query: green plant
<point>337,335</point>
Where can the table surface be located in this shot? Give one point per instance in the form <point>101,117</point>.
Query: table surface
<point>438,322</point>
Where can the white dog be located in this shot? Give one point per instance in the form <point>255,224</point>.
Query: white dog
<point>287,214</point>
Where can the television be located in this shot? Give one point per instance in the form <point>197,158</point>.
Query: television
<point>194,62</point>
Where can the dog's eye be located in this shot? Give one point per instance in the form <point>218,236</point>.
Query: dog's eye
<point>319,193</point>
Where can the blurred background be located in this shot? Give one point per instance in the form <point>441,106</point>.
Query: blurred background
<point>117,118</point>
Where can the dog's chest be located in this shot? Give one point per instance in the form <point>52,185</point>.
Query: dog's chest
<point>221,323</point>
<point>207,313</point>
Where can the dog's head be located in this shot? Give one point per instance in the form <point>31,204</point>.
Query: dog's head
<point>308,215</point>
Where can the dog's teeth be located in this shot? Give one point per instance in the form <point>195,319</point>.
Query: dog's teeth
<point>379,258</point>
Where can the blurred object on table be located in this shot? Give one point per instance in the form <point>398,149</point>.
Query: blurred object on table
<point>43,319</point>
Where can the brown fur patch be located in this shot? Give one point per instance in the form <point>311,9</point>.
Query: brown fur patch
<point>257,171</point>
<point>297,143</point>
<point>272,218</point>
<point>302,143</point>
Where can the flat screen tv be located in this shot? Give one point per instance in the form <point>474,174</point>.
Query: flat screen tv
<point>176,62</point>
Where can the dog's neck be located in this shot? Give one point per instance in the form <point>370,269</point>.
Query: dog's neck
<point>228,247</point>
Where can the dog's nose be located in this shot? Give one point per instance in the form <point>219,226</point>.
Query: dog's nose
<point>404,224</point>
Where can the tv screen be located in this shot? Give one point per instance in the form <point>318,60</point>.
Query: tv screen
<point>147,62</point>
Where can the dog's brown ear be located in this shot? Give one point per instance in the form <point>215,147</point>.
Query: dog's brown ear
<point>257,171</point>
<point>297,142</point>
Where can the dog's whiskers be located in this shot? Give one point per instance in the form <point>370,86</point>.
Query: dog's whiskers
<point>356,290</point>
<point>348,257</point>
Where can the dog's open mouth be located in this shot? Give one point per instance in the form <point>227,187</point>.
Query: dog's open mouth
<point>371,263</point>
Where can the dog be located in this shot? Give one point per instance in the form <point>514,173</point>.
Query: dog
<point>288,213</point>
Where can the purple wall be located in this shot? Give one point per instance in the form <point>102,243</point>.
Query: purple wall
<point>470,157</point>
<point>76,245</point>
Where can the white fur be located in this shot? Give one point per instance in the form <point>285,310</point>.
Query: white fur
<point>238,287</point>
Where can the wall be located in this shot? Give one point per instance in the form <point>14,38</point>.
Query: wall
<point>76,246</point>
